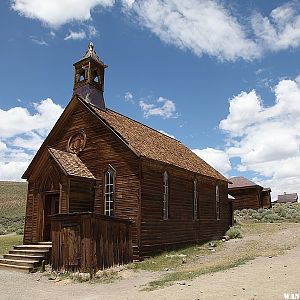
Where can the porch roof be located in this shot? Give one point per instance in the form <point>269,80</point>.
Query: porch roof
<point>71,163</point>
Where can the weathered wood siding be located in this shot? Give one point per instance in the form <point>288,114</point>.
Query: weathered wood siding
<point>28,228</point>
<point>138,191</point>
<point>246,198</point>
<point>103,149</point>
<point>81,197</point>
<point>266,200</point>
<point>181,228</point>
<point>41,184</point>
<point>89,242</point>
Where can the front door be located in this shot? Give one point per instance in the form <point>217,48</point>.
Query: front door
<point>51,207</point>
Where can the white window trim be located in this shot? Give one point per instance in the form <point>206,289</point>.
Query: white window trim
<point>217,202</point>
<point>166,196</point>
<point>195,201</point>
<point>109,196</point>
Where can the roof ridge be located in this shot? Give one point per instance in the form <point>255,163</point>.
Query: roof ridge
<point>165,136</point>
<point>172,152</point>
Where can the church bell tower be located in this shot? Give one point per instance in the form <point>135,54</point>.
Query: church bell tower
<point>89,78</point>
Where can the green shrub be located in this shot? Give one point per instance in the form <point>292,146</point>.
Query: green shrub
<point>286,212</point>
<point>257,216</point>
<point>19,231</point>
<point>234,233</point>
<point>2,230</point>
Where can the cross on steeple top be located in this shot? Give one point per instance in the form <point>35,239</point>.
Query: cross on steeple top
<point>92,53</point>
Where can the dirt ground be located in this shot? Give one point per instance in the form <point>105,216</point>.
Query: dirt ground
<point>262,278</point>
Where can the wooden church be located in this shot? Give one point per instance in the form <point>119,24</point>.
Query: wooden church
<point>106,189</point>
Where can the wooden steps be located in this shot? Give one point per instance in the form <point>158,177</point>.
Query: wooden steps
<point>15,268</point>
<point>26,258</point>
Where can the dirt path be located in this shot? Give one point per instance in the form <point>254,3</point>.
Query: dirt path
<point>263,278</point>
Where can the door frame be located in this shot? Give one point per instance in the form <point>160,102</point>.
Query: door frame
<point>45,194</point>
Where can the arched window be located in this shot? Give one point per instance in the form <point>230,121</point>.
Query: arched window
<point>217,203</point>
<point>166,197</point>
<point>109,192</point>
<point>82,75</point>
<point>96,77</point>
<point>195,201</point>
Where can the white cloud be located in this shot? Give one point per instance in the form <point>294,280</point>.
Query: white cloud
<point>73,35</point>
<point>128,3</point>
<point>30,141</point>
<point>89,32</point>
<point>267,143</point>
<point>167,134</point>
<point>243,110</point>
<point>203,27</point>
<point>38,41</point>
<point>164,108</point>
<point>2,146</point>
<point>200,26</point>
<point>12,171</point>
<point>92,31</point>
<point>279,31</point>
<point>22,133</point>
<point>55,13</point>
<point>18,120</point>
<point>217,158</point>
<point>128,97</point>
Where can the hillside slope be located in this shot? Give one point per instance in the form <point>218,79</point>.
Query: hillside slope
<point>12,206</point>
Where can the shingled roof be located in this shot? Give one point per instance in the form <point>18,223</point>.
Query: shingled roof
<point>241,182</point>
<point>71,163</point>
<point>152,144</point>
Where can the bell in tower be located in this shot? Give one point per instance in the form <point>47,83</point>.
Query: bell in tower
<point>89,78</point>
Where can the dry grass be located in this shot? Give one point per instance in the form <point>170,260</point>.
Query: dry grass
<point>12,206</point>
<point>8,241</point>
<point>263,239</point>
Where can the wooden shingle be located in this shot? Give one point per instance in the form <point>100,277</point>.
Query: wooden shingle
<point>155,145</point>
<point>71,163</point>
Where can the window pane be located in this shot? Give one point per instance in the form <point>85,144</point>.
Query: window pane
<point>217,203</point>
<point>109,193</point>
<point>165,197</point>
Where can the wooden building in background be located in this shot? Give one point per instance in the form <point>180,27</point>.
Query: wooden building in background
<point>98,167</point>
<point>287,198</point>
<point>248,194</point>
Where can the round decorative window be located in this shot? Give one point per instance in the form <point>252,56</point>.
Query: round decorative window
<point>77,142</point>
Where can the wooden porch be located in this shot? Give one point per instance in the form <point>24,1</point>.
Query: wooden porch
<point>89,242</point>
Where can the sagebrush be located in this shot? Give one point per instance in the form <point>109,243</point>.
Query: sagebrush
<point>234,232</point>
<point>280,212</point>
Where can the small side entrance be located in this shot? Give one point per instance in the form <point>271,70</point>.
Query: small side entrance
<point>51,207</point>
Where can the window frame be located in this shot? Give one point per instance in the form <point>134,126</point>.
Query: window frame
<point>111,211</point>
<point>165,196</point>
<point>218,210</point>
<point>195,200</point>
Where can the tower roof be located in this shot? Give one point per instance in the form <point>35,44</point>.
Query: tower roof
<point>92,53</point>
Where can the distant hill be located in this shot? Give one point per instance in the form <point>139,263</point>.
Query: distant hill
<point>12,206</point>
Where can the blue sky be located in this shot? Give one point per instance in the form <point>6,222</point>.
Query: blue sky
<point>220,76</point>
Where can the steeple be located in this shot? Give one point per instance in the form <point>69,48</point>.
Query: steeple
<point>89,78</point>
